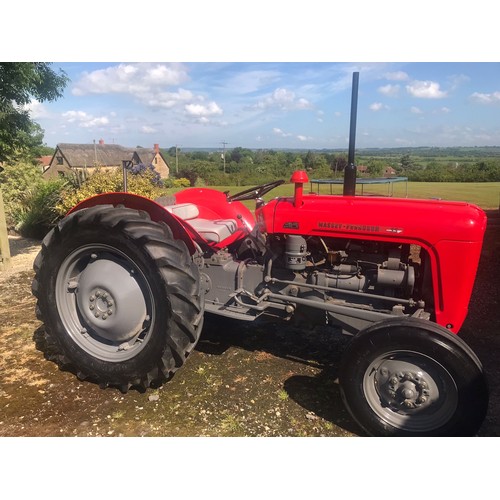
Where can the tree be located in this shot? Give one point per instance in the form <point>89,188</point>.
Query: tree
<point>375,167</point>
<point>309,160</point>
<point>20,84</point>
<point>338,164</point>
<point>321,168</point>
<point>406,162</point>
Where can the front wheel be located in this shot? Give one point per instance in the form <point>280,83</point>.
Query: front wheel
<point>409,377</point>
<point>119,295</point>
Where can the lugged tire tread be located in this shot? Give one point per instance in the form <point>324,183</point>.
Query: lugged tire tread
<point>179,275</point>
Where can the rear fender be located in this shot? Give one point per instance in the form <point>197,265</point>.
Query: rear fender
<point>136,202</point>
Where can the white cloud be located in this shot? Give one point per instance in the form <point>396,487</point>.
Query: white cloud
<point>85,120</point>
<point>36,109</point>
<point>148,130</point>
<point>169,100</point>
<point>376,106</point>
<point>303,138</point>
<point>425,90</point>
<point>135,79</point>
<point>492,98</point>
<point>397,75</point>
<point>303,104</point>
<point>415,110</point>
<point>73,116</point>
<point>283,99</point>
<point>201,110</point>
<point>95,122</point>
<point>444,109</point>
<point>251,81</point>
<point>278,131</point>
<point>458,80</point>
<point>203,113</point>
<point>389,90</point>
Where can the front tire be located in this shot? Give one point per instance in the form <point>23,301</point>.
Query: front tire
<point>119,295</point>
<point>410,377</point>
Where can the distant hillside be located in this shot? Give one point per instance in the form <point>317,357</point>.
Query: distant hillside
<point>423,152</point>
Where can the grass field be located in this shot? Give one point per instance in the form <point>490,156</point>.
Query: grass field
<point>484,194</point>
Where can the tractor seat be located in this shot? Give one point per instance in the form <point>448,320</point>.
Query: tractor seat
<point>211,230</point>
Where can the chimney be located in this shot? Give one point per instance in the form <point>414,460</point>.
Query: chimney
<point>101,142</point>
<point>157,148</point>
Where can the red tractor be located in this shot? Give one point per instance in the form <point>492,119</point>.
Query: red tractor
<point>123,283</point>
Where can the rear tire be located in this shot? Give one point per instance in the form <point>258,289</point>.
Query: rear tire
<point>119,295</point>
<point>410,377</point>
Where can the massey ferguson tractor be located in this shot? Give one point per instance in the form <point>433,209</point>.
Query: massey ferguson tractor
<point>123,283</point>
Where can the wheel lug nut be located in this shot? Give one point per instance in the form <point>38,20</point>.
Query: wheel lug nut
<point>96,314</point>
<point>91,298</point>
<point>91,307</point>
<point>110,312</point>
<point>393,381</point>
<point>104,316</point>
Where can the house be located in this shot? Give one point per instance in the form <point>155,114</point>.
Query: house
<point>44,162</point>
<point>389,172</point>
<point>152,157</point>
<point>83,159</point>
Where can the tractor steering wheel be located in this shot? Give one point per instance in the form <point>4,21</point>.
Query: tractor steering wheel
<point>255,192</point>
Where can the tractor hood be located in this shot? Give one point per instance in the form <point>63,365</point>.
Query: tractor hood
<point>424,222</point>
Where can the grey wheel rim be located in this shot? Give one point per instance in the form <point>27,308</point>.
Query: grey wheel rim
<point>105,302</point>
<point>410,391</point>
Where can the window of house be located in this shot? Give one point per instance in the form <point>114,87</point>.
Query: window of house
<point>59,160</point>
<point>156,160</point>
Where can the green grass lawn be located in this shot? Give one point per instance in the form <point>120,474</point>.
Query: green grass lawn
<point>484,194</point>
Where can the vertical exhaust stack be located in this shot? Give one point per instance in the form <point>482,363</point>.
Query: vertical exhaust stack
<point>350,169</point>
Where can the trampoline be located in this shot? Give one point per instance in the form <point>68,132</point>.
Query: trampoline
<point>362,181</point>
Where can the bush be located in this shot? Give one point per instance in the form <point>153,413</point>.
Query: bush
<point>39,213</point>
<point>143,183</point>
<point>180,183</point>
<point>18,181</point>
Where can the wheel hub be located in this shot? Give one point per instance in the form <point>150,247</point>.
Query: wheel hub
<point>102,303</point>
<point>405,390</point>
<point>111,301</point>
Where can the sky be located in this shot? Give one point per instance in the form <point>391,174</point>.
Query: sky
<point>271,75</point>
<point>274,105</point>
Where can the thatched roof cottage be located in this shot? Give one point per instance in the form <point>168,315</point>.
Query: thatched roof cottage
<point>83,159</point>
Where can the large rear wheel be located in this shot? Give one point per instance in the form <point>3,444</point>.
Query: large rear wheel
<point>119,295</point>
<point>410,377</point>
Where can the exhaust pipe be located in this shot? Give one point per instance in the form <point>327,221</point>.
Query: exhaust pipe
<point>350,169</point>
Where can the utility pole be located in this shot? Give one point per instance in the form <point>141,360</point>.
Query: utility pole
<point>176,159</point>
<point>224,153</point>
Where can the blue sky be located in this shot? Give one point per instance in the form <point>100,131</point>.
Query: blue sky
<point>275,105</point>
<point>259,103</point>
